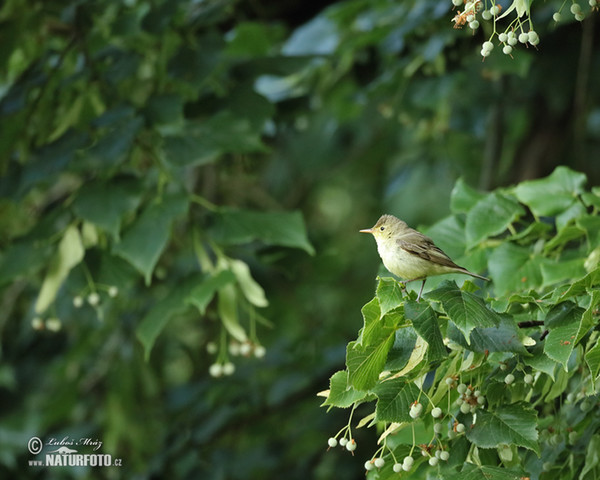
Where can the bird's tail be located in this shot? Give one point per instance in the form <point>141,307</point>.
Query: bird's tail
<point>464,270</point>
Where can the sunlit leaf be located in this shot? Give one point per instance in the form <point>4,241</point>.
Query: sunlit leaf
<point>69,253</point>
<point>491,216</point>
<point>551,195</point>
<point>341,394</point>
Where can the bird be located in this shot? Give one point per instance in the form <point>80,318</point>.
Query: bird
<point>409,254</point>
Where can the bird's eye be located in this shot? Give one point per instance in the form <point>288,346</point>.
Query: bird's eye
<point>382,228</point>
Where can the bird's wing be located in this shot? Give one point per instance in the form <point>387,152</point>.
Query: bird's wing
<point>422,246</point>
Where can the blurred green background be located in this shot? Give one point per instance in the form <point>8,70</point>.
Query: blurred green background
<point>339,110</point>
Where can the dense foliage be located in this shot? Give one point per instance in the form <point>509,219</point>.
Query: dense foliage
<point>505,377</point>
<point>181,183</point>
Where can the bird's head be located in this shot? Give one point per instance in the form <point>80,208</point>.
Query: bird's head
<point>386,227</point>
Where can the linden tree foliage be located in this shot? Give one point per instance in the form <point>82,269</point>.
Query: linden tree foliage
<point>503,376</point>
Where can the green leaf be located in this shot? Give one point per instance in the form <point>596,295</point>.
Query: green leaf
<point>591,225</point>
<point>162,311</point>
<point>504,337</point>
<point>144,242</point>
<point>554,272</point>
<point>366,363</point>
<point>551,195</point>
<point>106,203</point>
<point>286,229</point>
<point>203,293</point>
<point>581,286</point>
<point>389,294</point>
<point>564,323</point>
<point>483,472</point>
<point>395,397</point>
<point>592,459</point>
<point>464,309</point>
<point>513,424</point>
<point>588,319</point>
<point>69,253</point>
<point>514,269</point>
<point>592,359</point>
<point>491,216</point>
<point>564,236</point>
<point>425,322</point>
<point>463,197</point>
<point>227,307</point>
<point>540,361</point>
<point>405,340</point>
<point>341,394</point>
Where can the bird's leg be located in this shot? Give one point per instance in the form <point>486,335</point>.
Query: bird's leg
<point>421,291</point>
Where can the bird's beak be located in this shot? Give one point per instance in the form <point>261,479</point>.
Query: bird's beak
<point>366,230</point>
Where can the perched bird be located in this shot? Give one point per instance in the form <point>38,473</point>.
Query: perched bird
<point>409,254</point>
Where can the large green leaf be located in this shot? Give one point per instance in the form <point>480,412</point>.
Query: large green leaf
<point>366,363</point>
<point>490,216</point>
<point>551,195</point>
<point>234,227</point>
<point>395,397</point>
<point>513,424</point>
<point>514,269</point>
<point>389,294</point>
<point>464,309</point>
<point>564,323</point>
<point>405,342</point>
<point>501,338</point>
<point>106,203</point>
<point>463,197</point>
<point>145,240</point>
<point>425,322</point>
